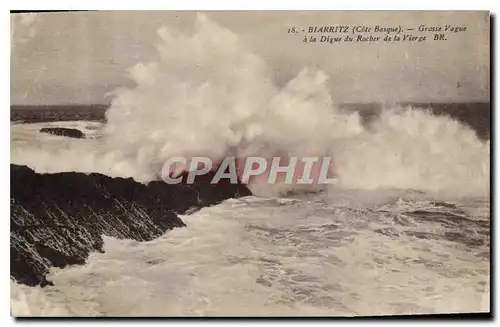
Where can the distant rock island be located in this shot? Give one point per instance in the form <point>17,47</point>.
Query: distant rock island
<point>59,219</point>
<point>63,131</point>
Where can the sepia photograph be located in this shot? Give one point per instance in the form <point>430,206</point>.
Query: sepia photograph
<point>250,163</point>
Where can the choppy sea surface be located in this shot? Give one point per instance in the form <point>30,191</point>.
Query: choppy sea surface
<point>254,256</point>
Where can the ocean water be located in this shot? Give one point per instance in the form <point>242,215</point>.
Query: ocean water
<point>474,114</point>
<point>405,231</point>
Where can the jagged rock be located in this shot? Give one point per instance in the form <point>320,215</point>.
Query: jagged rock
<point>58,219</point>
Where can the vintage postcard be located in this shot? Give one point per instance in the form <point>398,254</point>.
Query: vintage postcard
<point>250,163</point>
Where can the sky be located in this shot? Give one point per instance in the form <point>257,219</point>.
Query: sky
<point>78,57</point>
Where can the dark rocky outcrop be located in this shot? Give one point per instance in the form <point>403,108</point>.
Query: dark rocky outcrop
<point>58,219</point>
<point>63,131</point>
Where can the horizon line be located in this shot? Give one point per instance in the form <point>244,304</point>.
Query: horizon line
<point>339,103</point>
